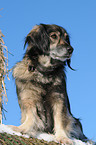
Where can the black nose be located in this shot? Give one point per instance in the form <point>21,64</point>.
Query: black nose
<point>70,49</point>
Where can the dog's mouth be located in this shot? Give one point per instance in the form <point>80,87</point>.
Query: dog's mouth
<point>61,52</point>
<point>60,57</point>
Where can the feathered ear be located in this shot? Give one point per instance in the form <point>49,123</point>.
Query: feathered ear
<point>37,40</point>
<point>68,63</point>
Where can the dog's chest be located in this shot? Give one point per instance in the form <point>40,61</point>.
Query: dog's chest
<point>46,79</point>
<point>41,78</point>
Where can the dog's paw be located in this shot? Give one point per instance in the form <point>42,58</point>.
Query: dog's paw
<point>14,128</point>
<point>18,129</point>
<point>64,140</point>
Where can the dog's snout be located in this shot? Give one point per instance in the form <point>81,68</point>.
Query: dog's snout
<point>70,49</point>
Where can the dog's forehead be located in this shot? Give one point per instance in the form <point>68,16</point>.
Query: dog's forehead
<point>50,28</point>
<point>56,28</point>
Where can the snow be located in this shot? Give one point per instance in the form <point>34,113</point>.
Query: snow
<point>44,136</point>
<point>49,137</point>
<point>8,130</point>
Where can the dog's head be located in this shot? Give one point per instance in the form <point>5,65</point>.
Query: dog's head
<point>50,40</point>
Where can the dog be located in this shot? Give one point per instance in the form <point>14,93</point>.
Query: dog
<point>41,85</point>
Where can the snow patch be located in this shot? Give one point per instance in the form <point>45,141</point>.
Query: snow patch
<point>8,130</point>
<point>44,136</point>
<point>49,137</point>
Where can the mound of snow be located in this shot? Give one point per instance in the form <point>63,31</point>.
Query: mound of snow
<point>49,137</point>
<point>44,136</point>
<point>8,130</point>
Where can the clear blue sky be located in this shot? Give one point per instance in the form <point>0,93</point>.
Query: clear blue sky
<point>79,19</point>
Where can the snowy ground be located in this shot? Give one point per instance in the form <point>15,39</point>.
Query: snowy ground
<point>44,136</point>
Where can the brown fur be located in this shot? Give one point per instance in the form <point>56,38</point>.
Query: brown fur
<point>41,85</point>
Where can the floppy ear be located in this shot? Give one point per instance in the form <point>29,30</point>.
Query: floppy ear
<point>68,63</point>
<point>37,40</point>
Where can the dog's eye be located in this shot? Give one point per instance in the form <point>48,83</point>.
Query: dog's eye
<point>54,36</point>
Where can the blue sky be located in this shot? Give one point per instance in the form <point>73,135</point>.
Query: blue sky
<point>79,19</point>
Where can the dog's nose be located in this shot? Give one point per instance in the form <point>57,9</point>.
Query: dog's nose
<point>70,49</point>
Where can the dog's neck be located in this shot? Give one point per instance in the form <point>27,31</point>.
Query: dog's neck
<point>48,66</point>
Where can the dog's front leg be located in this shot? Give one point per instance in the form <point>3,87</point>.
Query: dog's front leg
<point>60,133</point>
<point>27,125</point>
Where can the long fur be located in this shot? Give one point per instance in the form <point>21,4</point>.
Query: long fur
<point>41,85</point>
